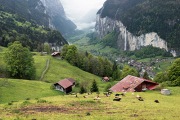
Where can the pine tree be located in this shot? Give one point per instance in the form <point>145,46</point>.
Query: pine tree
<point>82,90</point>
<point>146,76</point>
<point>94,87</point>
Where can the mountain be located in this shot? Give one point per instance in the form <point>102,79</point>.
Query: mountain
<point>28,22</point>
<point>43,12</point>
<point>140,23</point>
<point>58,19</point>
<point>14,27</point>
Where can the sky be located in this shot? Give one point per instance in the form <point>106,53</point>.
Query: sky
<point>82,12</point>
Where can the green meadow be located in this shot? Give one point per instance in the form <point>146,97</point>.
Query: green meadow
<point>16,89</point>
<point>69,107</point>
<point>35,99</point>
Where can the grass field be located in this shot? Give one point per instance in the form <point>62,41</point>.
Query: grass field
<point>83,44</point>
<point>40,63</point>
<point>29,99</point>
<point>15,90</point>
<point>69,107</point>
<point>58,70</point>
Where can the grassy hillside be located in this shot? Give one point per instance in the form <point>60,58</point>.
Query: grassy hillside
<point>69,107</point>
<point>40,63</point>
<point>58,70</point>
<point>15,90</point>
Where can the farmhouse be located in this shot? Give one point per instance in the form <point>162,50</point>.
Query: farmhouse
<point>105,79</point>
<point>65,85</point>
<point>55,54</point>
<point>133,84</point>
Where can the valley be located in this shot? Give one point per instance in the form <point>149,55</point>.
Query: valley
<point>89,60</point>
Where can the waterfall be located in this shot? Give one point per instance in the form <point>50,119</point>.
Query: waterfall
<point>125,40</point>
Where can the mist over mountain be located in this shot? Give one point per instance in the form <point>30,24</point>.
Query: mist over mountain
<point>82,12</point>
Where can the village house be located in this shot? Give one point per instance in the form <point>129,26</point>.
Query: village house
<point>105,79</point>
<point>133,84</point>
<point>55,54</point>
<point>65,85</point>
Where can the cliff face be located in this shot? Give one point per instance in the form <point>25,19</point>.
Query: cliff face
<point>141,23</point>
<point>126,40</point>
<point>58,19</point>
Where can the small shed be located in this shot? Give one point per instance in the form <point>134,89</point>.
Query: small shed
<point>133,84</point>
<point>105,79</point>
<point>55,54</point>
<point>65,85</point>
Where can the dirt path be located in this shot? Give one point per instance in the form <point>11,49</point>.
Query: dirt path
<point>45,70</point>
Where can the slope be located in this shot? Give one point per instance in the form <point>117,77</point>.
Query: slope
<point>15,89</point>
<point>14,27</point>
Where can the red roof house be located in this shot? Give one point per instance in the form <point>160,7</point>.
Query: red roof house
<point>133,84</point>
<point>65,85</point>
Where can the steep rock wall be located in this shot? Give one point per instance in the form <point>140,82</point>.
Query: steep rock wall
<point>126,40</point>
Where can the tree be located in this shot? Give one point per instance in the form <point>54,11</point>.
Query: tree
<point>107,87</point>
<point>94,87</point>
<point>107,67</point>
<point>47,48</point>
<point>64,51</point>
<point>82,90</point>
<point>20,62</point>
<point>71,54</point>
<point>171,76</point>
<point>116,72</point>
<point>146,76</point>
<point>161,77</point>
<point>127,70</point>
<point>174,72</point>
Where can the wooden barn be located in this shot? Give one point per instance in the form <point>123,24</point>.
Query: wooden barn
<point>55,54</point>
<point>133,84</point>
<point>65,85</point>
<point>105,79</point>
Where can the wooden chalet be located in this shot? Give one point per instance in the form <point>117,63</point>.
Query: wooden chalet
<point>55,54</point>
<point>105,79</point>
<point>65,85</point>
<point>133,84</point>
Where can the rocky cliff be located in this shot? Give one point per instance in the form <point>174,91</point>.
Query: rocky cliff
<point>139,29</point>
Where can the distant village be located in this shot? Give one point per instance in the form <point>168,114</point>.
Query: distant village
<point>143,66</point>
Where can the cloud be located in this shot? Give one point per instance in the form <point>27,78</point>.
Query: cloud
<point>76,10</point>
